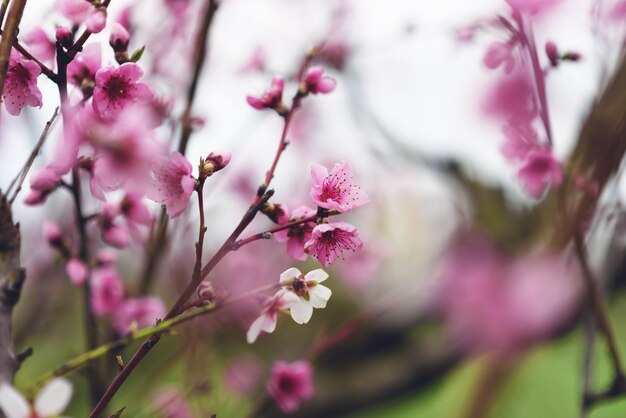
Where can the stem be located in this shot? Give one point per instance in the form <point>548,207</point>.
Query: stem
<point>8,37</point>
<point>3,10</point>
<point>264,235</point>
<point>528,39</point>
<point>157,248</point>
<point>599,307</point>
<point>21,176</point>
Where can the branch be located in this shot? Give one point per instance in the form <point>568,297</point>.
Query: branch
<point>12,276</point>
<point>8,37</point>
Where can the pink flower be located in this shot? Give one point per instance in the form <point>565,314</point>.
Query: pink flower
<point>315,82</point>
<point>107,291</point>
<point>552,52</point>
<point>84,66</point>
<point>119,38</point>
<point>43,182</point>
<point>20,86</point>
<point>171,403</point>
<point>256,63</point>
<point>521,138</point>
<point>296,236</point>
<point>112,234</point>
<point>135,212</point>
<point>75,10</point>
<point>290,384</point>
<point>97,20</point>
<point>40,45</point>
<point>137,313</point>
<point>513,97</point>
<point>117,89</point>
<point>540,171</point>
<point>272,98</point>
<point>336,190</point>
<point>532,6</point>
<point>52,233</point>
<point>499,54</point>
<point>329,241</point>
<point>77,271</point>
<point>269,315</point>
<point>173,183</point>
<point>218,160</point>
<point>242,375</point>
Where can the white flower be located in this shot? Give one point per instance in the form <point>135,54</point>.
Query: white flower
<point>267,320</point>
<point>311,294</point>
<point>50,402</point>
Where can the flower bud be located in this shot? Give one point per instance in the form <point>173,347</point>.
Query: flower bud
<point>553,53</point>
<point>119,38</point>
<point>64,37</point>
<point>206,292</point>
<point>97,20</point>
<point>219,160</point>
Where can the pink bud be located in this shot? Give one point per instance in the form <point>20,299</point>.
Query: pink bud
<point>97,20</point>
<point>315,82</point>
<point>45,180</point>
<point>116,236</point>
<point>219,159</point>
<point>77,271</point>
<point>52,234</point>
<point>35,197</point>
<point>206,292</point>
<point>119,38</point>
<point>553,53</point>
<point>105,258</point>
<point>64,36</point>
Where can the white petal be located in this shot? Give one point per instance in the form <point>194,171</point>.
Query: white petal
<point>301,312</point>
<point>318,275</point>
<point>289,274</point>
<point>13,403</point>
<point>319,296</point>
<point>287,299</point>
<point>255,329</point>
<point>53,398</point>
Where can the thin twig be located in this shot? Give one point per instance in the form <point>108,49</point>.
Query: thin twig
<point>21,176</point>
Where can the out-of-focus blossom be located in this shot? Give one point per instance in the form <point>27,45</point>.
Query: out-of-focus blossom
<point>330,240</point>
<point>77,271</point>
<point>117,89</point>
<point>39,45</point>
<point>20,86</point>
<point>269,315</point>
<point>107,291</point>
<point>75,10</point>
<point>272,98</point>
<point>84,66</point>
<point>539,172</point>
<point>552,52</point>
<point>137,313</point>
<point>532,6</point>
<point>51,400</point>
<point>173,184</point>
<point>97,20</point>
<point>499,54</point>
<point>513,97</point>
<point>112,233</point>
<point>135,212</point>
<point>119,38</point>
<point>296,236</point>
<point>492,303</point>
<point>256,63</point>
<point>336,190</point>
<point>171,403</point>
<point>310,292</point>
<point>290,384</point>
<point>242,375</point>
<point>52,233</point>
<point>521,138</point>
<point>315,82</point>
<point>43,182</point>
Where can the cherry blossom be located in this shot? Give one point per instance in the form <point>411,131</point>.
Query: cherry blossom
<point>336,190</point>
<point>107,291</point>
<point>310,292</point>
<point>83,68</point>
<point>540,171</point>
<point>330,240</point>
<point>272,98</point>
<point>77,271</point>
<point>315,82</point>
<point>53,398</point>
<point>112,233</point>
<point>20,86</point>
<point>290,384</point>
<point>117,89</point>
<point>499,54</point>
<point>137,313</point>
<point>75,10</point>
<point>296,236</point>
<point>173,183</point>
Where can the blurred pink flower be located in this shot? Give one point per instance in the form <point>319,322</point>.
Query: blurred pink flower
<point>315,82</point>
<point>290,384</point>
<point>329,241</point>
<point>171,403</point>
<point>119,38</point>
<point>137,313</point>
<point>499,54</point>
<point>39,45</point>
<point>296,236</point>
<point>75,10</point>
<point>539,171</point>
<point>20,87</point>
<point>117,89</point>
<point>112,233</point>
<point>532,6</point>
<point>107,291</point>
<point>77,271</point>
<point>173,184</point>
<point>135,211</point>
<point>242,375</point>
<point>97,20</point>
<point>521,138</point>
<point>85,65</point>
<point>513,97</point>
<point>272,98</point>
<point>256,62</point>
<point>336,190</point>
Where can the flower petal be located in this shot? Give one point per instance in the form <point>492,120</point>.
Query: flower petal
<point>290,273</point>
<point>12,403</point>
<point>319,275</point>
<point>301,312</point>
<point>319,296</point>
<point>53,398</point>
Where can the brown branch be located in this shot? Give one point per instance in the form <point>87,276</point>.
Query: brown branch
<point>12,276</point>
<point>8,37</point>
